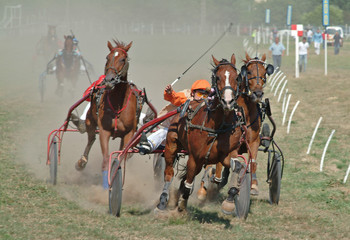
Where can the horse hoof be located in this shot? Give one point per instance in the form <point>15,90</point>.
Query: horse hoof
<point>163,201</point>
<point>254,190</point>
<point>227,207</point>
<point>202,194</point>
<point>80,165</point>
<point>182,204</point>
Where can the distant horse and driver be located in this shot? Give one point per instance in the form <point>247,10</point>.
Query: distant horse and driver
<point>215,130</point>
<point>66,63</point>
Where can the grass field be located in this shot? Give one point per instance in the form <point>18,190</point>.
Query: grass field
<point>313,204</point>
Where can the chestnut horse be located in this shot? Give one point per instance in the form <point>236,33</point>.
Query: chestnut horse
<point>209,132</point>
<point>48,45</point>
<point>253,75</point>
<point>67,65</point>
<point>115,107</point>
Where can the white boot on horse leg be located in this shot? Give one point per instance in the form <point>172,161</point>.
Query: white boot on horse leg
<point>186,191</point>
<point>228,205</point>
<point>254,188</point>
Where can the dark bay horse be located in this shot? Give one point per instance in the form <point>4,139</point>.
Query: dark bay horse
<point>115,107</point>
<point>253,75</point>
<point>67,65</point>
<point>209,132</point>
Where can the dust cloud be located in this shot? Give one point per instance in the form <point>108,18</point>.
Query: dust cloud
<point>156,60</point>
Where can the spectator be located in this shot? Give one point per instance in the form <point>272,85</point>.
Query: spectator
<point>277,50</point>
<point>303,46</point>
<point>337,40</point>
<point>309,35</point>
<point>317,38</point>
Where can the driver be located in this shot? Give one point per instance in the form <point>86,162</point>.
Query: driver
<point>200,89</point>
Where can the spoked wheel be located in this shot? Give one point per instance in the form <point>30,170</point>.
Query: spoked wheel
<point>242,199</point>
<point>158,168</point>
<point>115,192</point>
<point>275,179</point>
<point>53,162</point>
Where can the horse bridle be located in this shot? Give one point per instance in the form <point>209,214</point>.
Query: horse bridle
<point>214,79</point>
<point>258,77</point>
<point>122,72</point>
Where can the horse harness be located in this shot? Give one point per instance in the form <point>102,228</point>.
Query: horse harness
<point>238,120</point>
<point>101,88</point>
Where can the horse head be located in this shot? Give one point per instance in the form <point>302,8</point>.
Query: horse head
<point>68,44</point>
<point>253,75</point>
<point>117,65</point>
<point>224,81</point>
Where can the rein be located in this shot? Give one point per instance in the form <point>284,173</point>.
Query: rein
<point>117,113</point>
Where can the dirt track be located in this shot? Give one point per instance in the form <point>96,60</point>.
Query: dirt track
<point>154,63</point>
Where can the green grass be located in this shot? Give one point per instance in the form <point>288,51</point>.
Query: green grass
<point>313,205</point>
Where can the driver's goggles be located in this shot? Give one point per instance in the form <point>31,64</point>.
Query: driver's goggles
<point>202,93</point>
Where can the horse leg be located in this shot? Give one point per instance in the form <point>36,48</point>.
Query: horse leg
<point>228,204</point>
<point>90,128</point>
<point>171,149</point>
<point>104,142</point>
<point>186,186</point>
<point>253,167</point>
<point>202,191</point>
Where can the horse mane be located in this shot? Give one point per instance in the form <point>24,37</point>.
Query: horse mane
<point>119,44</point>
<point>222,61</point>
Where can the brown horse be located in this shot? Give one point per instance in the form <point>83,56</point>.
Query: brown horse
<point>209,132</point>
<point>253,74</point>
<point>67,65</point>
<point>115,107</point>
<point>48,45</point>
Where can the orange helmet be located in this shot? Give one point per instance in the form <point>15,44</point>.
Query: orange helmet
<point>201,84</point>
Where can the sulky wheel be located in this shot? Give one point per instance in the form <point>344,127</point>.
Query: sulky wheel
<point>242,199</point>
<point>275,179</point>
<point>53,162</point>
<point>115,191</point>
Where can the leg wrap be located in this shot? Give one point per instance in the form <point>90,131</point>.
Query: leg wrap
<point>236,166</point>
<point>187,190</point>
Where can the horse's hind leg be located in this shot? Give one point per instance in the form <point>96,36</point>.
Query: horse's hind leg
<point>90,127</point>
<point>171,148</point>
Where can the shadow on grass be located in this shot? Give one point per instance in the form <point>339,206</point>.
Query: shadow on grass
<point>208,217</point>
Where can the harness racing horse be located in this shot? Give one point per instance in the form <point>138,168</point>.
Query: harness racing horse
<point>253,75</point>
<point>115,107</point>
<point>208,132</point>
<point>48,45</point>
<point>67,65</point>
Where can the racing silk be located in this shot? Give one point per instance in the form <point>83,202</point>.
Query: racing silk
<point>92,86</point>
<point>177,98</point>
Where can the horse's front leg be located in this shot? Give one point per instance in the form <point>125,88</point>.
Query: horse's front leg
<point>90,128</point>
<point>104,141</point>
<point>171,149</point>
<point>186,186</point>
<point>254,146</point>
<point>231,161</point>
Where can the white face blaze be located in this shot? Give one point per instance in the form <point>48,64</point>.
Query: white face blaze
<point>228,93</point>
<point>116,54</point>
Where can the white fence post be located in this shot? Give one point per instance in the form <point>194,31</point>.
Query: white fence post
<point>284,85</point>
<point>284,100</point>
<point>313,135</point>
<point>346,175</point>
<point>285,110</point>
<point>291,115</point>
<point>325,149</point>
